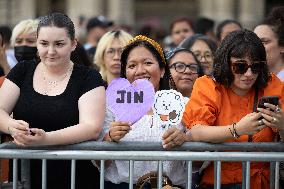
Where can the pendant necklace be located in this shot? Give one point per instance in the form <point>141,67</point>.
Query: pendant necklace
<point>51,84</point>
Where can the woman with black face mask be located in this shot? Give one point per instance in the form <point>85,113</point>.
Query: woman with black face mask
<point>24,40</point>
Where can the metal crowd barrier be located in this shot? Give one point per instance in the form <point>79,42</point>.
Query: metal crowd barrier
<point>137,151</point>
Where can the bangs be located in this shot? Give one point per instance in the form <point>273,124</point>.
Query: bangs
<point>247,49</point>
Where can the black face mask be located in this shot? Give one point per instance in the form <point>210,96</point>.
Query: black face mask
<point>25,53</point>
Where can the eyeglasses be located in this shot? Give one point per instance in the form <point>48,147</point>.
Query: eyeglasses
<point>180,67</point>
<point>241,66</point>
<point>111,52</point>
<point>207,56</point>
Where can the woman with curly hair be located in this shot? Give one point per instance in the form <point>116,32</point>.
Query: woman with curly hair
<point>222,107</point>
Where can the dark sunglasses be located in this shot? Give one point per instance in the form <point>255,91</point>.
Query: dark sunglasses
<point>241,67</point>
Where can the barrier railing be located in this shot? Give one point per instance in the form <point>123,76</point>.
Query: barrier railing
<point>137,151</point>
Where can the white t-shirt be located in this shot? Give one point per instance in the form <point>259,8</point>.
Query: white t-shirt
<point>146,129</point>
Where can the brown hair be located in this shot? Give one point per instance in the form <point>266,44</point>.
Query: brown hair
<point>181,19</point>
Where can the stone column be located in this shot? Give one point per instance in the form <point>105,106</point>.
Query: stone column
<point>217,10</point>
<point>251,12</point>
<point>121,11</point>
<point>207,9</point>
<point>13,11</point>
<point>87,8</point>
<point>224,9</point>
<point>28,9</point>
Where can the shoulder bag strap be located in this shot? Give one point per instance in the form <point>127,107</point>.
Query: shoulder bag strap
<point>255,101</point>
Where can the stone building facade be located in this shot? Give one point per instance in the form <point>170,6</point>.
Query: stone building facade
<point>136,12</point>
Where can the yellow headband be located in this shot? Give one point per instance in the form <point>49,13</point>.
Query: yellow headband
<point>152,42</point>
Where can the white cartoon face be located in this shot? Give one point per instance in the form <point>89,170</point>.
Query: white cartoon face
<point>169,107</point>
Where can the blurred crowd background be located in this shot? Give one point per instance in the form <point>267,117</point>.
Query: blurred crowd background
<point>150,17</point>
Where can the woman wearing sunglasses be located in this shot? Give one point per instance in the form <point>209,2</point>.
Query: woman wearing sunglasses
<point>221,107</point>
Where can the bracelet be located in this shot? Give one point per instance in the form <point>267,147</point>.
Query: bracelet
<point>234,131</point>
<point>231,132</point>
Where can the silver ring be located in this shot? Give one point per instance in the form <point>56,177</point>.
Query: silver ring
<point>260,122</point>
<point>277,110</point>
<point>273,120</point>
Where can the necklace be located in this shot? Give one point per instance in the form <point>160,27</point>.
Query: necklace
<point>51,84</point>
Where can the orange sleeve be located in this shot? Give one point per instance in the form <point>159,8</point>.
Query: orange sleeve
<point>204,103</point>
<point>1,80</point>
<point>275,88</point>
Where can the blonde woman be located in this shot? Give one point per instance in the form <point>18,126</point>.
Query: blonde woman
<point>108,53</point>
<point>24,40</point>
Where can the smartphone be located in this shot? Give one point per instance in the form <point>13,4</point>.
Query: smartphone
<point>268,99</point>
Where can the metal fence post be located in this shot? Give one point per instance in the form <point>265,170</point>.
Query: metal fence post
<point>73,173</point>
<point>43,174</point>
<point>102,174</point>
<point>15,173</point>
<point>160,174</point>
<point>277,176</point>
<point>189,174</point>
<point>131,170</point>
<point>217,174</point>
<point>247,175</point>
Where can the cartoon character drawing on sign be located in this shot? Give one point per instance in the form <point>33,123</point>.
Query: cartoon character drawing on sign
<point>169,107</point>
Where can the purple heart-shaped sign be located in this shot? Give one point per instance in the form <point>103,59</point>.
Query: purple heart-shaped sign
<point>129,102</point>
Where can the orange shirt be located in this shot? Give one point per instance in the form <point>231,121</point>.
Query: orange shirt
<point>1,80</point>
<point>213,104</point>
